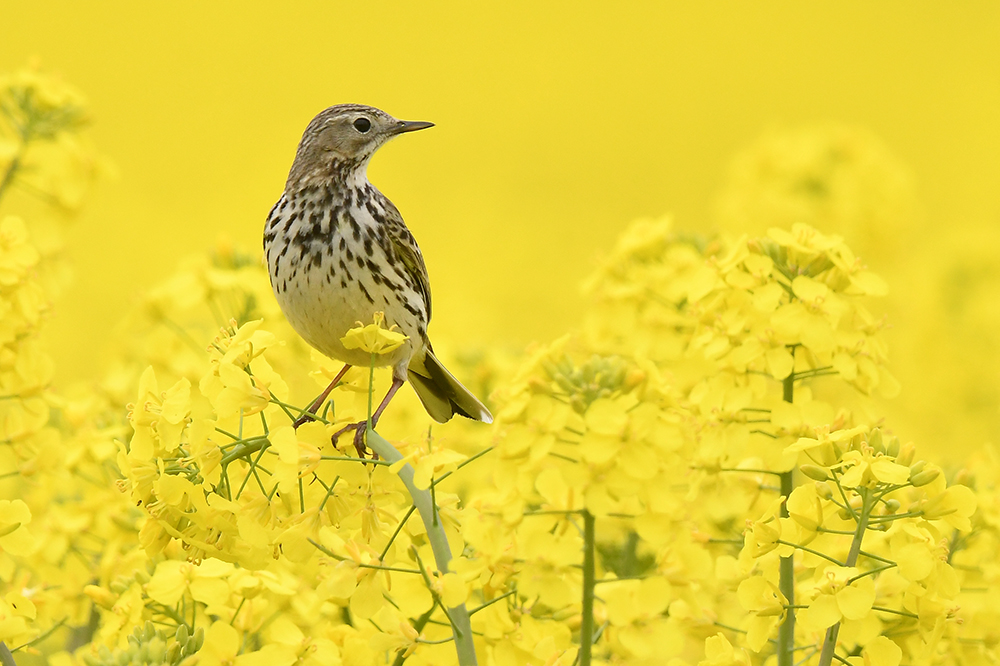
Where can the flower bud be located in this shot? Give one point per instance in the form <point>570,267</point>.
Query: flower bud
<point>844,514</point>
<point>182,634</point>
<point>935,508</point>
<point>100,596</point>
<point>824,491</point>
<point>924,477</point>
<point>157,650</point>
<point>906,453</point>
<point>917,467</point>
<point>814,472</point>
<point>892,447</point>
<point>118,586</point>
<point>634,377</point>
<point>875,441</point>
<point>892,506</point>
<point>566,615</point>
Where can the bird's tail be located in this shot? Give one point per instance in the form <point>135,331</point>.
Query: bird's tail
<point>442,395</point>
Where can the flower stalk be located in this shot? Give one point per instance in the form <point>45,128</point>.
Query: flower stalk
<point>830,641</point>
<point>8,177</point>
<point>587,621</point>
<point>6,658</point>
<point>786,573</point>
<point>459,615</point>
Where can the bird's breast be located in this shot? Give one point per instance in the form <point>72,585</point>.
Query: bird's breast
<point>331,265</point>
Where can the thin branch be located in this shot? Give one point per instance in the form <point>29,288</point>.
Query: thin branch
<point>491,602</point>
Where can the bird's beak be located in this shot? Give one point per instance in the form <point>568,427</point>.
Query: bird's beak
<point>411,126</point>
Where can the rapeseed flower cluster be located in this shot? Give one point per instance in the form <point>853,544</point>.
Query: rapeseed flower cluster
<point>700,475</point>
<point>856,542</point>
<point>63,526</point>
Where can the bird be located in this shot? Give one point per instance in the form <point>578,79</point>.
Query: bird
<point>337,252</point>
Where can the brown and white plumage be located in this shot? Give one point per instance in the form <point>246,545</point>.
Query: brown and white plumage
<point>338,251</point>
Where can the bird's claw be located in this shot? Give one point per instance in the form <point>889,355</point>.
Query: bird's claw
<point>304,418</point>
<point>359,428</point>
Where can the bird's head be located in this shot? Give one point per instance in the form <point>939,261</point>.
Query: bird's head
<point>344,137</point>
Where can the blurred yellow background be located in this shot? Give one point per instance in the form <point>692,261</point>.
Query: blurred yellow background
<point>557,124</point>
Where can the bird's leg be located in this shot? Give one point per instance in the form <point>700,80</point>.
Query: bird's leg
<point>360,427</point>
<point>306,416</point>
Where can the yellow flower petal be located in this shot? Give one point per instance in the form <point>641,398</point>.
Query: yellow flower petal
<point>373,338</point>
<point>760,628</point>
<point>855,601</point>
<point>915,561</point>
<point>887,471</point>
<point>882,652</point>
<point>606,416</point>
<point>821,613</point>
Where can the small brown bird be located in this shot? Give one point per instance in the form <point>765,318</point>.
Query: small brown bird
<point>338,252</point>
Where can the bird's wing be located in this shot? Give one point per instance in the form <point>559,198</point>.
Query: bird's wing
<point>407,252</point>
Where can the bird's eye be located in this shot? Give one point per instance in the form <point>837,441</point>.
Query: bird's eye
<point>362,125</point>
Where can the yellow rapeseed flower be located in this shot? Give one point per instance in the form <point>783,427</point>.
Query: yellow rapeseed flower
<point>767,604</point>
<point>374,338</point>
<point>839,596</point>
<point>17,254</point>
<point>205,582</point>
<point>14,536</point>
<point>882,651</point>
<point>720,652</point>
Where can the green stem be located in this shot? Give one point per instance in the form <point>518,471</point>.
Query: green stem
<point>737,469</point>
<point>399,527</point>
<point>786,583</point>
<point>463,464</point>
<point>786,571</point>
<point>817,553</point>
<point>249,446</point>
<point>587,620</point>
<point>875,572</point>
<point>492,601</point>
<point>830,642</point>
<point>371,390</point>
<point>8,178</point>
<point>418,626</point>
<point>41,637</point>
<point>788,385</point>
<point>882,609</point>
<point>361,565</point>
<point>439,543</point>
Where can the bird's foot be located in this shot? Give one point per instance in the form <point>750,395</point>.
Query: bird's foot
<point>359,428</point>
<point>304,418</point>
